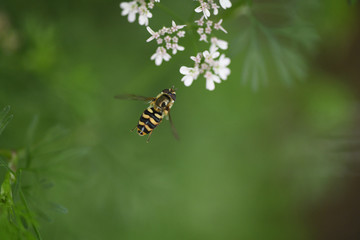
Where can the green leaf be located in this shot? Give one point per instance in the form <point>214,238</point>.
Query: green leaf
<point>5,118</point>
<point>4,164</point>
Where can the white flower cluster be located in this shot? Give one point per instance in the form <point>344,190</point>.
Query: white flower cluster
<point>207,5</point>
<point>207,63</point>
<point>205,28</point>
<point>210,63</point>
<point>138,6</point>
<point>167,38</point>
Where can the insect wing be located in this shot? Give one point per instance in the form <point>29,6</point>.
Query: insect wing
<point>134,97</point>
<point>173,129</point>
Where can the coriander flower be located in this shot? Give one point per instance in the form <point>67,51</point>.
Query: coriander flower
<point>208,64</point>
<point>215,7</point>
<point>175,27</point>
<point>144,15</point>
<point>220,67</point>
<point>167,38</point>
<point>160,55</point>
<point>191,74</point>
<point>218,26</point>
<point>219,43</point>
<point>225,4</point>
<point>130,9</point>
<point>210,56</point>
<point>154,35</point>
<point>210,79</point>
<point>175,47</point>
<point>204,7</point>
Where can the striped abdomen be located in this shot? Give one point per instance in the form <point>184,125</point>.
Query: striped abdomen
<point>148,121</point>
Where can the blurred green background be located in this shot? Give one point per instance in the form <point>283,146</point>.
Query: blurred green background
<point>272,153</point>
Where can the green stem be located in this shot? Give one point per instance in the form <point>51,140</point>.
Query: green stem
<point>23,200</point>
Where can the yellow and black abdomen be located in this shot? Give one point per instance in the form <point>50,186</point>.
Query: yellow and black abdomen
<point>149,121</point>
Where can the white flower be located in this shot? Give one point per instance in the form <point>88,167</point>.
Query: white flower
<point>200,22</point>
<point>167,39</point>
<point>175,39</point>
<point>197,58</point>
<point>163,30</point>
<point>215,7</point>
<point>175,47</point>
<point>220,67</point>
<point>210,79</point>
<point>175,27</point>
<point>181,34</point>
<point>154,35</point>
<point>144,15</point>
<point>219,43</point>
<point>203,37</point>
<point>190,75</point>
<point>210,56</point>
<point>130,9</point>
<point>208,30</point>
<point>151,5</point>
<point>225,4</point>
<point>160,55</point>
<point>204,7</point>
<point>218,26</point>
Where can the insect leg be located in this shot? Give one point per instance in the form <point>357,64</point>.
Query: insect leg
<point>173,129</point>
<point>147,140</point>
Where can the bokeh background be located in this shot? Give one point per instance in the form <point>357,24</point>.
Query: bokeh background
<point>272,153</point>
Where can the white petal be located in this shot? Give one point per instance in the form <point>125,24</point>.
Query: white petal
<point>224,72</point>
<point>132,17</point>
<point>150,39</point>
<point>216,78</point>
<point>225,4</point>
<point>206,53</point>
<point>198,9</point>
<point>222,44</point>
<point>158,60</point>
<point>210,85</point>
<point>125,7</point>
<point>187,80</point>
<point>166,57</point>
<point>153,56</point>
<point>180,48</point>
<point>215,55</point>
<point>224,61</point>
<point>207,13</point>
<point>184,70</point>
<point>150,30</point>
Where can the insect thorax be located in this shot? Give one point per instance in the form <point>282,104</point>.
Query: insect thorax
<point>163,102</point>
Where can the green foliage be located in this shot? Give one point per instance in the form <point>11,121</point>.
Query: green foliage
<point>352,1</point>
<point>277,42</point>
<point>247,165</point>
<point>5,118</point>
<point>23,201</point>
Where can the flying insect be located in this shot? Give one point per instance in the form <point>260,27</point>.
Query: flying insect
<point>153,115</point>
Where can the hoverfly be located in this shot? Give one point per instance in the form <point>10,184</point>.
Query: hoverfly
<point>153,115</point>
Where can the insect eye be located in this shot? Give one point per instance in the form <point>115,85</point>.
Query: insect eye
<point>173,96</point>
<point>166,91</point>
